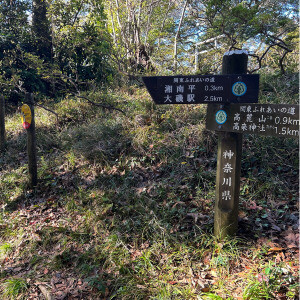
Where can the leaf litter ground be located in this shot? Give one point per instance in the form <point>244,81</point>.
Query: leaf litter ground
<point>125,210</point>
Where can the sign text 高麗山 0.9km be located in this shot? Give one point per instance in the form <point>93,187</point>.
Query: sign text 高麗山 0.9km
<point>263,119</point>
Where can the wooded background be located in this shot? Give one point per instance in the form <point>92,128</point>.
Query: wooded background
<point>60,46</point>
<point>123,207</point>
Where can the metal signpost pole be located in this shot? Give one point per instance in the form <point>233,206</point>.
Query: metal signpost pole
<point>229,159</point>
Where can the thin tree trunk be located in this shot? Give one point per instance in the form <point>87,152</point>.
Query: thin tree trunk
<point>113,26</point>
<point>124,37</point>
<point>138,24</point>
<point>163,23</point>
<point>177,35</point>
<point>148,21</point>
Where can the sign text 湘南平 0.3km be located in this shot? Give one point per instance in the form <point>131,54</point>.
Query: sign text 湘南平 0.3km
<point>207,89</point>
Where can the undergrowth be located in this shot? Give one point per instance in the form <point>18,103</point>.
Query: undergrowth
<point>125,203</point>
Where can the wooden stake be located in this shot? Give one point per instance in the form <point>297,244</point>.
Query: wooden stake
<point>229,163</point>
<point>31,145</point>
<point>2,124</point>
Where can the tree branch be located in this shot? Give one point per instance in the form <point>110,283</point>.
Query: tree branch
<point>48,109</point>
<point>109,107</point>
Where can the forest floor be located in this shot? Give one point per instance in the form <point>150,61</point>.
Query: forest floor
<point>125,201</point>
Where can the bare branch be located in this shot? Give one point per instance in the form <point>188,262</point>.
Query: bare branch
<point>109,107</point>
<point>177,35</point>
<point>77,13</point>
<point>281,62</point>
<point>48,109</point>
<point>280,44</point>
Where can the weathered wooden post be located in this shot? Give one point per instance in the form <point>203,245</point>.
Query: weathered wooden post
<point>31,144</point>
<point>229,161</point>
<point>2,123</point>
<point>220,92</point>
<point>232,110</point>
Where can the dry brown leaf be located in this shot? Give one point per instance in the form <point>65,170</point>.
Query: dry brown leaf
<point>16,270</point>
<point>46,293</point>
<point>275,249</point>
<point>141,286</point>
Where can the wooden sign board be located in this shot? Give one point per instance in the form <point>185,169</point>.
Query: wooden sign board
<point>203,89</point>
<point>264,119</point>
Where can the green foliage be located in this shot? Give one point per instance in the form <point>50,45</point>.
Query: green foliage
<point>97,283</point>
<point>82,46</point>
<point>268,282</point>
<point>125,200</point>
<point>5,248</point>
<point>72,45</point>
<point>41,30</point>
<point>33,60</point>
<point>14,288</point>
<point>265,28</point>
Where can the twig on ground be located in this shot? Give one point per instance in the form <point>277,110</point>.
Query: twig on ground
<point>109,107</point>
<point>48,109</point>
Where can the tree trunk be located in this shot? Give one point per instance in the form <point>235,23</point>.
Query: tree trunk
<point>41,30</point>
<point>177,35</point>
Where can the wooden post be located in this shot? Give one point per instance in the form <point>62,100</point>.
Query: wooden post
<point>31,145</point>
<point>229,162</point>
<point>2,123</point>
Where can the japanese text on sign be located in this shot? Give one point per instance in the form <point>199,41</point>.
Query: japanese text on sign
<point>264,119</point>
<point>226,176</point>
<point>203,89</point>
<point>185,89</point>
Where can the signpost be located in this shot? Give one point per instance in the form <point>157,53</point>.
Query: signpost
<point>2,123</point>
<point>232,110</point>
<point>203,89</point>
<point>263,119</point>
<point>228,159</point>
<point>28,123</point>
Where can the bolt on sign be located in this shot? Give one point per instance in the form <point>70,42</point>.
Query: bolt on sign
<point>26,116</point>
<point>203,89</point>
<point>263,119</point>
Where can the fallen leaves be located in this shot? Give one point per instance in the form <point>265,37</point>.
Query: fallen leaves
<point>45,292</point>
<point>62,287</point>
<point>197,216</point>
<point>253,206</point>
<point>291,238</point>
<point>275,249</point>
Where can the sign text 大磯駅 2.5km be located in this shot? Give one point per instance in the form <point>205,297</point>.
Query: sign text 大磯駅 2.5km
<point>207,89</point>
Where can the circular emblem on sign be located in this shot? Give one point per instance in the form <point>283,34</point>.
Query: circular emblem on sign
<point>26,116</point>
<point>221,117</point>
<point>239,89</point>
